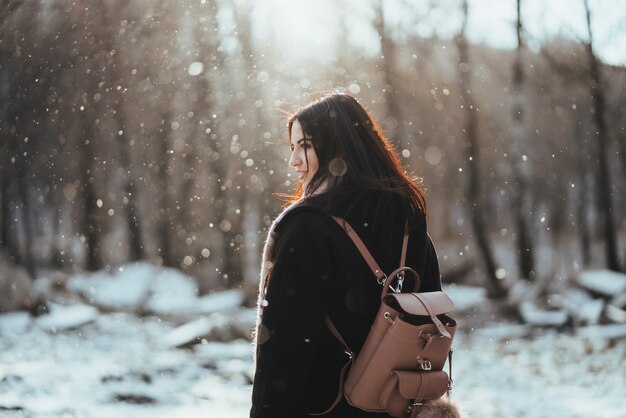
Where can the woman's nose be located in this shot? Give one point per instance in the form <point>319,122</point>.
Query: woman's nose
<point>294,160</point>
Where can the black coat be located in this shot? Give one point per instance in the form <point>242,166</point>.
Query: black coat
<point>318,272</point>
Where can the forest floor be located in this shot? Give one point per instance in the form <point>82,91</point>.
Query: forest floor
<point>118,366</point>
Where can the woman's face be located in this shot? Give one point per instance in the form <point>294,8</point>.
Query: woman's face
<point>301,152</point>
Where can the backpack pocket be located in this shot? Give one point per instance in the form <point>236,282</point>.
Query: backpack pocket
<point>404,387</point>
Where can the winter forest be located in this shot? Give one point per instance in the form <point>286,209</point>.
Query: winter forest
<point>143,156</point>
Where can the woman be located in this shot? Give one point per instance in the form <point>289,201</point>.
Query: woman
<point>311,270</point>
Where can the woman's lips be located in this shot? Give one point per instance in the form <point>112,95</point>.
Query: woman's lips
<point>301,175</point>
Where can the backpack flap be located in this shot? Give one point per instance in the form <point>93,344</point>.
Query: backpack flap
<point>405,387</point>
<point>411,304</point>
<point>429,304</point>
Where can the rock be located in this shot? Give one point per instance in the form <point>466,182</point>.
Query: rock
<point>125,292</point>
<point>15,408</point>
<point>147,289</point>
<point>63,318</point>
<point>579,305</point>
<point>616,309</point>
<point>535,315</point>
<point>171,292</point>
<point>138,287</point>
<point>615,313</point>
<point>611,331</point>
<point>133,398</point>
<point>194,332</point>
<point>603,282</point>
<point>619,300</point>
<point>220,301</point>
<point>522,291</point>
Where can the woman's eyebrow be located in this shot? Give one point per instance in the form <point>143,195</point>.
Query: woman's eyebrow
<point>301,140</point>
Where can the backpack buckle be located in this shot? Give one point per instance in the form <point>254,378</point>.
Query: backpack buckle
<point>382,280</point>
<point>398,288</point>
<point>425,365</point>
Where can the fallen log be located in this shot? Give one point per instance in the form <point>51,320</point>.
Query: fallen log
<point>532,314</point>
<point>605,283</point>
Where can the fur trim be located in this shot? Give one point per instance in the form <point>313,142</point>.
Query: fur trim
<point>439,408</point>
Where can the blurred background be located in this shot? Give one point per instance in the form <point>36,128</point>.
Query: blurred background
<point>154,132</point>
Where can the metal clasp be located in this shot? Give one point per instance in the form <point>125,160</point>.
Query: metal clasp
<point>382,280</point>
<point>425,365</point>
<point>398,288</point>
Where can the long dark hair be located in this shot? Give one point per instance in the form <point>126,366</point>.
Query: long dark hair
<point>354,156</point>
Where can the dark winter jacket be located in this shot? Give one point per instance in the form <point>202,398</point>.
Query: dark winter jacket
<point>317,272</point>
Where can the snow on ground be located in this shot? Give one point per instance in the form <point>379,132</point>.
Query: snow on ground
<point>80,362</point>
<point>118,365</point>
<point>551,374</point>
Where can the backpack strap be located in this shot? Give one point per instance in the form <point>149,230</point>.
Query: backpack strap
<point>381,278</point>
<point>369,259</point>
<point>360,245</point>
<point>344,370</point>
<point>405,243</point>
<point>433,315</point>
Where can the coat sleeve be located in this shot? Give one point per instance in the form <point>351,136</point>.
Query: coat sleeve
<point>297,302</point>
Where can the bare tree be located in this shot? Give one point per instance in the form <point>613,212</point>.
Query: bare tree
<point>472,148</point>
<point>604,185</point>
<point>23,112</point>
<point>393,115</point>
<point>249,202</point>
<point>520,166</point>
<point>163,37</point>
<point>114,47</point>
<point>165,224</point>
<point>568,70</point>
<point>225,185</point>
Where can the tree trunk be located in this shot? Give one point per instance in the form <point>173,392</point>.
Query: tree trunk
<point>135,239</point>
<point>23,190</point>
<point>91,227</point>
<point>166,225</point>
<point>393,117</point>
<point>473,193</point>
<point>583,199</point>
<point>226,192</point>
<point>521,168</point>
<point>250,203</point>
<point>108,36</point>
<point>604,185</point>
<point>58,252</point>
<point>204,46</point>
<point>5,217</point>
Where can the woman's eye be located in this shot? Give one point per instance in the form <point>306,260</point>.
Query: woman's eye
<point>291,147</point>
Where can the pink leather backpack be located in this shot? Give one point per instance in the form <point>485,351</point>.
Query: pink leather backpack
<point>399,369</point>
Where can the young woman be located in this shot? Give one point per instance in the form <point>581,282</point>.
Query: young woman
<point>312,269</point>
